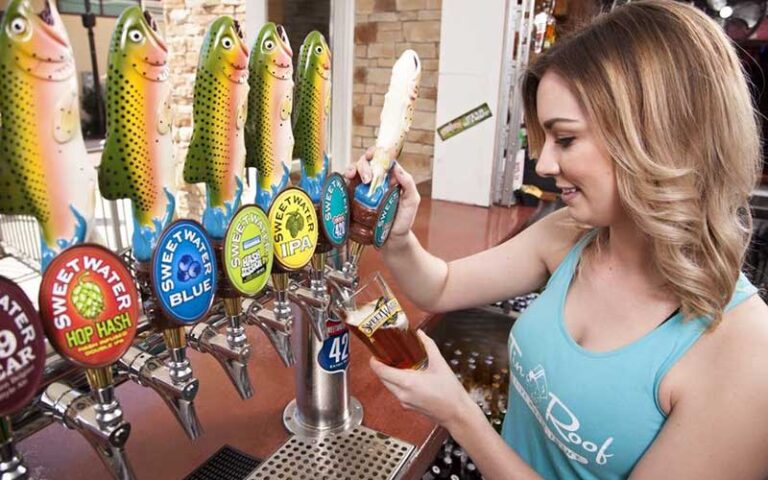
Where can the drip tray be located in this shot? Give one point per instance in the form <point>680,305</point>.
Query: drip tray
<point>358,454</point>
<point>226,464</point>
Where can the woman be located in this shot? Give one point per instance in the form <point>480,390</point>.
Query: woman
<point>653,345</point>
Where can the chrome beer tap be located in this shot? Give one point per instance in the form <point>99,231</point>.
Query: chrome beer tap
<point>90,311</point>
<point>97,418</point>
<point>323,404</point>
<point>173,379</point>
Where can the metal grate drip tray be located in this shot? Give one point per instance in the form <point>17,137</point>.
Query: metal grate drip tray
<point>358,454</point>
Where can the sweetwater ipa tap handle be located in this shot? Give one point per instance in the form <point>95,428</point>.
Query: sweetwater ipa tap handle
<point>90,310</point>
<point>22,359</point>
<point>293,221</point>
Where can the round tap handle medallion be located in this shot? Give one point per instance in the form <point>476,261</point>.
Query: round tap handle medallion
<point>184,272</point>
<point>385,217</point>
<point>294,228</point>
<point>248,250</point>
<point>89,305</point>
<point>334,207</point>
<point>22,348</point>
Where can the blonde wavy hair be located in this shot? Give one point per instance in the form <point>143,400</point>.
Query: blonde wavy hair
<point>664,89</point>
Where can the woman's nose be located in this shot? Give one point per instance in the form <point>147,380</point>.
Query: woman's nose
<point>546,164</point>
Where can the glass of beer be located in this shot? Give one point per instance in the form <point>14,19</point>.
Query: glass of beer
<point>374,315</point>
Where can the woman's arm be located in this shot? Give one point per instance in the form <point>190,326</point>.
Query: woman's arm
<point>436,393</point>
<point>718,425</point>
<point>519,265</point>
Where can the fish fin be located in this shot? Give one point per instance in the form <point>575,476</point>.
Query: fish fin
<point>66,120</point>
<point>114,180</point>
<point>164,116</point>
<point>242,113</point>
<point>197,166</point>
<point>286,107</point>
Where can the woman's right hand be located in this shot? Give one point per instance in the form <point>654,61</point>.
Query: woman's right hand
<point>409,199</point>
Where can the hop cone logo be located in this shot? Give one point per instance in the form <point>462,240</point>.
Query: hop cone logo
<point>295,223</point>
<point>87,298</point>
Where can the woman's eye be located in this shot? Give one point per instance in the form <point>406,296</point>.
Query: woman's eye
<point>564,142</point>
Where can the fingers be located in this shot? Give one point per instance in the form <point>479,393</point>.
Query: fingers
<point>386,373</point>
<point>429,345</point>
<point>411,195</point>
<point>364,169</point>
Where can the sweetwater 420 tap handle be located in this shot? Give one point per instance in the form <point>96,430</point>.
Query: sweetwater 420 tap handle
<point>90,310</point>
<point>22,360</point>
<point>373,204</point>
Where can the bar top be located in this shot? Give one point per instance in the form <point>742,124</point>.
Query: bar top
<point>159,449</point>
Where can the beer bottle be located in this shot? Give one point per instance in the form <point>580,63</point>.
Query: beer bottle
<point>447,348</point>
<point>449,467</point>
<point>471,472</point>
<point>436,472</point>
<point>457,455</point>
<point>454,363</point>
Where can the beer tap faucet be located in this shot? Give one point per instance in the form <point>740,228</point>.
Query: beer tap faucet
<point>183,277</point>
<point>21,338</point>
<point>323,404</point>
<point>90,310</point>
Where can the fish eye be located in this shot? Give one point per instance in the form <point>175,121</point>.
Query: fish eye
<point>227,43</point>
<point>319,49</point>
<point>135,35</point>
<point>269,45</point>
<point>18,26</point>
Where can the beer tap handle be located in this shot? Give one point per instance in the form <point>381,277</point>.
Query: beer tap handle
<point>234,359</point>
<point>11,464</point>
<point>149,371</point>
<point>79,411</point>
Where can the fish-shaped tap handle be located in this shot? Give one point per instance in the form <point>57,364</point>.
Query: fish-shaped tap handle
<point>216,153</point>
<point>44,171</point>
<point>137,161</point>
<point>268,134</point>
<point>310,115</point>
<point>395,121</point>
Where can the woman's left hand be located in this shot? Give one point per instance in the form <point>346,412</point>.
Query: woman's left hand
<point>434,392</point>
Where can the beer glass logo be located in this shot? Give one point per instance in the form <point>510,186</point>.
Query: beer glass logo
<point>386,310</point>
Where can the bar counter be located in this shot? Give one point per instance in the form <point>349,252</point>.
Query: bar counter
<point>159,449</point>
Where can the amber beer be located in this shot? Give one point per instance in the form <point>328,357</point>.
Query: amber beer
<point>382,325</point>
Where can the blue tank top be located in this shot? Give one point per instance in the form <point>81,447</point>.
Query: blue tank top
<point>574,413</point>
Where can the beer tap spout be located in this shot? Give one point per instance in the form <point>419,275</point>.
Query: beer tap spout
<point>313,302</point>
<point>176,387</point>
<point>101,424</point>
<point>276,326</point>
<point>231,354</point>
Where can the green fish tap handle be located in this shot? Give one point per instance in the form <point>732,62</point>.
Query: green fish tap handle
<point>310,117</point>
<point>44,168</point>
<point>216,154</point>
<point>395,121</point>
<point>137,161</point>
<point>268,133</point>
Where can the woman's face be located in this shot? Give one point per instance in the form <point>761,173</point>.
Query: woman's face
<point>575,157</point>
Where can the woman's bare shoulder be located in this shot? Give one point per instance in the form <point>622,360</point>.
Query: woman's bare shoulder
<point>556,234</point>
<point>735,354</point>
